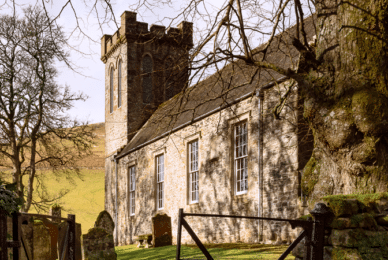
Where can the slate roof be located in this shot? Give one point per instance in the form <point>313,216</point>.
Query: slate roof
<point>215,92</point>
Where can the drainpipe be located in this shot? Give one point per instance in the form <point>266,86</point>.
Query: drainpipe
<point>116,211</point>
<point>260,95</point>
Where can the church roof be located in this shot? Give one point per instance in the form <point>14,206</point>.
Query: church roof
<point>218,91</point>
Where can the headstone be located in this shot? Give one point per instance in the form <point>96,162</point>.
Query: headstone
<point>98,242</point>
<point>161,230</point>
<point>105,221</point>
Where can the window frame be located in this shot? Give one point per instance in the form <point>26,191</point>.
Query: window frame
<point>191,171</point>
<point>160,182</point>
<point>132,189</point>
<point>119,85</point>
<point>241,157</point>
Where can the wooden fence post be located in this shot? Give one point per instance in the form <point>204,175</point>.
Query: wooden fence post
<point>71,238</point>
<point>3,235</point>
<point>16,234</point>
<point>178,243</point>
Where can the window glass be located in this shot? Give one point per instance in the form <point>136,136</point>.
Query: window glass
<point>111,91</point>
<point>119,87</point>
<point>160,180</point>
<point>132,186</point>
<point>193,171</point>
<point>241,157</point>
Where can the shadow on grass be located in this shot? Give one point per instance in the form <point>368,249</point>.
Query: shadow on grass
<point>217,251</point>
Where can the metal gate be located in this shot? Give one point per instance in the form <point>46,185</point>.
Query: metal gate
<point>313,232</point>
<point>19,240</point>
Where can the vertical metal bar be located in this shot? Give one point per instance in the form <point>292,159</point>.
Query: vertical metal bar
<point>16,230</point>
<point>307,242</point>
<point>319,214</point>
<point>71,238</point>
<point>178,243</point>
<point>3,235</point>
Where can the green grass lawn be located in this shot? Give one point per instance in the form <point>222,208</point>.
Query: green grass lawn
<point>220,251</point>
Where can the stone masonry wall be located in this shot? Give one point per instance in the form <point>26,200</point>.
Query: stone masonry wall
<point>129,44</point>
<point>356,229</point>
<point>280,167</point>
<point>216,193</point>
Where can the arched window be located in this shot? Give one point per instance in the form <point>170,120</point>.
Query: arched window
<point>119,87</point>
<point>169,79</point>
<point>111,91</point>
<point>147,79</point>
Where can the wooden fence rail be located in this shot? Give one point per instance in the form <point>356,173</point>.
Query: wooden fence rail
<point>18,238</point>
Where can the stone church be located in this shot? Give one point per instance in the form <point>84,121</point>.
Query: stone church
<point>215,148</point>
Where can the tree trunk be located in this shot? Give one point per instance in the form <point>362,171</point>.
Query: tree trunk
<point>346,101</point>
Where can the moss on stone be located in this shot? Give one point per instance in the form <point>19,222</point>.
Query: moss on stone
<point>96,233</point>
<point>340,253</point>
<point>56,206</point>
<point>305,217</point>
<point>38,222</point>
<point>363,220</point>
<point>310,176</point>
<point>366,202</point>
<point>370,111</point>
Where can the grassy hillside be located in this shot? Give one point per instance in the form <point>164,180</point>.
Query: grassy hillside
<point>85,198</point>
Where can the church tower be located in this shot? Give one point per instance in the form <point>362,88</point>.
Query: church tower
<point>143,68</point>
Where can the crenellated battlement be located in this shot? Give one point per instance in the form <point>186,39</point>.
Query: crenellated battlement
<point>138,31</point>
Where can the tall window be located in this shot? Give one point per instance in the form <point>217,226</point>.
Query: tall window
<point>111,91</point>
<point>132,186</point>
<point>119,87</point>
<point>160,180</point>
<point>147,79</point>
<point>193,171</point>
<point>169,81</point>
<point>241,157</point>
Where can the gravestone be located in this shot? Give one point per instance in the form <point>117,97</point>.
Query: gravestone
<point>105,221</point>
<point>161,230</point>
<point>98,243</point>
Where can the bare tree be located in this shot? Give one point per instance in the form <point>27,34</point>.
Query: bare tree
<point>35,131</point>
<point>342,75</point>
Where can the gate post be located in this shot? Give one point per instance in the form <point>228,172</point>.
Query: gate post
<point>178,243</point>
<point>16,233</point>
<point>3,235</point>
<point>71,238</point>
<point>319,214</point>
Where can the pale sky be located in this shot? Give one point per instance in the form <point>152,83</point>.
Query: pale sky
<point>91,82</point>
